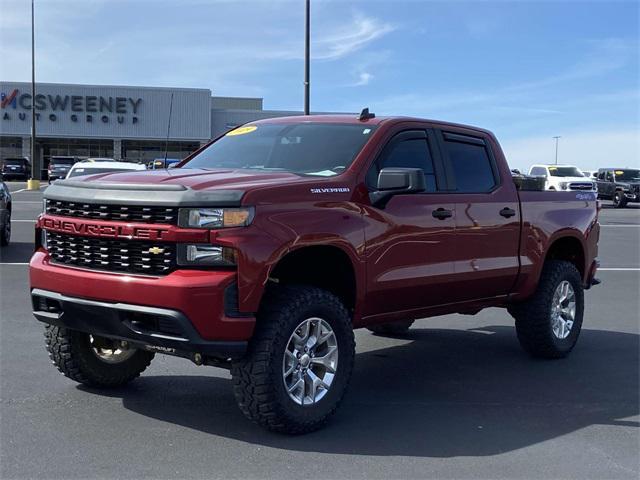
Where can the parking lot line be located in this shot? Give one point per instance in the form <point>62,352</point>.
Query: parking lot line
<point>623,225</point>
<point>630,269</point>
<point>27,221</point>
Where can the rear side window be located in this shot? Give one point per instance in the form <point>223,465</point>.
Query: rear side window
<point>406,153</point>
<point>471,164</point>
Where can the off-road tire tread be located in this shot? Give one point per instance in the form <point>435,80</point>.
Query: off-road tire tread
<point>622,203</point>
<point>252,386</point>
<point>532,316</point>
<point>67,354</point>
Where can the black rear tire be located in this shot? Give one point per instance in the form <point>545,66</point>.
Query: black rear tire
<point>619,200</point>
<point>533,317</point>
<point>71,352</point>
<point>394,328</point>
<point>258,383</point>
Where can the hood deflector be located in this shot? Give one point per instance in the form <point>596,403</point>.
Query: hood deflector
<point>170,195</point>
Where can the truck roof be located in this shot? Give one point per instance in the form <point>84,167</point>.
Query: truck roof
<point>353,119</point>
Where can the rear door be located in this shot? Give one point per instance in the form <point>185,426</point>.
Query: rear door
<point>487,215</point>
<point>410,241</point>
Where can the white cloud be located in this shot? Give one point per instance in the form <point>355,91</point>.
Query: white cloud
<point>587,150</point>
<point>363,79</point>
<point>335,42</point>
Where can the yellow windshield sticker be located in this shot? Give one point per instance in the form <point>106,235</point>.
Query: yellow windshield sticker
<point>619,172</point>
<point>242,130</point>
<point>553,168</point>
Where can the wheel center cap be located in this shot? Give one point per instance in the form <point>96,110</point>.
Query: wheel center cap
<point>305,360</point>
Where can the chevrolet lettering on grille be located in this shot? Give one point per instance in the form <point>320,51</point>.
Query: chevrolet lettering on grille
<point>104,230</point>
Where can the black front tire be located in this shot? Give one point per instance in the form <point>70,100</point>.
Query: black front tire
<point>258,383</point>
<point>619,200</point>
<point>5,230</point>
<point>534,322</point>
<point>71,352</point>
<point>394,328</point>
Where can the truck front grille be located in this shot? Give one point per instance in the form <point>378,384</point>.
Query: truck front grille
<point>128,213</point>
<point>149,258</point>
<point>581,186</point>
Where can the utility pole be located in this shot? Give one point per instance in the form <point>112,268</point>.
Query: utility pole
<point>557,138</point>
<point>34,181</point>
<point>307,28</point>
<point>166,142</point>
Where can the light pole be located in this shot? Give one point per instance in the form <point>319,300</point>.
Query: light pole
<point>557,138</point>
<point>34,181</point>
<point>307,28</point>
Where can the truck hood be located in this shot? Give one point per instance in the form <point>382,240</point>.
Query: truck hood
<point>200,179</point>
<point>573,179</point>
<point>173,187</point>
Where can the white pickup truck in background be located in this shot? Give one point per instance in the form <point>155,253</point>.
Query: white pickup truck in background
<point>562,177</point>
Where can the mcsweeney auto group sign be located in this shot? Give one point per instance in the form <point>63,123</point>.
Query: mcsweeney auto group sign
<point>104,111</point>
<point>81,107</point>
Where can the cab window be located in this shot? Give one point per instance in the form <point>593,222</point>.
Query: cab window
<point>406,150</point>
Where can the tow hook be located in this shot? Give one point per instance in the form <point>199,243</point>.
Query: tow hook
<point>197,358</point>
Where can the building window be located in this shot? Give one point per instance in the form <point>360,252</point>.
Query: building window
<point>10,147</point>
<point>145,151</point>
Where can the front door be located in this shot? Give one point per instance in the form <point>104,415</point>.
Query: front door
<point>410,241</point>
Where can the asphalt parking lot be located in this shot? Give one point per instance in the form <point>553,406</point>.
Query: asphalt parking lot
<point>456,398</point>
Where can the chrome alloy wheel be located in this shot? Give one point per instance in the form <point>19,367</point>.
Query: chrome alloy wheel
<point>110,351</point>
<point>563,310</point>
<point>310,361</point>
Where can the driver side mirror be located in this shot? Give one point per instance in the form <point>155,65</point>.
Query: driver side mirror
<point>397,181</point>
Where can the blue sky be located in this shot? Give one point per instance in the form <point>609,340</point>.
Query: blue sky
<point>526,70</point>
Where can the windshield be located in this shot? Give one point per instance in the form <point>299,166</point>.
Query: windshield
<point>321,149</point>
<point>77,172</point>
<point>565,172</point>
<point>63,161</point>
<point>10,161</point>
<point>627,175</point>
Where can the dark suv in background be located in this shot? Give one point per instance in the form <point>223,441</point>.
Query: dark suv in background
<point>622,185</point>
<point>14,168</point>
<point>59,166</point>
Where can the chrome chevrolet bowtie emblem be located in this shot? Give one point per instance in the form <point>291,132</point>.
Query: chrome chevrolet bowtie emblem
<point>156,250</point>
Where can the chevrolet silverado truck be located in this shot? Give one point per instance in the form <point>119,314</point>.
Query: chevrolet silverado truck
<point>266,248</point>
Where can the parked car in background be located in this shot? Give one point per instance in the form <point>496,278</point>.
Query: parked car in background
<point>562,177</point>
<point>14,168</point>
<point>91,167</point>
<point>622,185</point>
<point>158,163</point>
<point>59,166</point>
<point>5,213</point>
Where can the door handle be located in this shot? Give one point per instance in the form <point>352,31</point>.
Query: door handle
<point>442,213</point>
<point>507,212</point>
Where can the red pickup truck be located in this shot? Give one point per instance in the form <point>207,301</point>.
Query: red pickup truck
<point>265,249</point>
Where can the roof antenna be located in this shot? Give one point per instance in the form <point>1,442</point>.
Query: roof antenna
<point>365,115</point>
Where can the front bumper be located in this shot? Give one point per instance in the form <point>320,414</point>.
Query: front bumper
<point>198,303</point>
<point>155,329</point>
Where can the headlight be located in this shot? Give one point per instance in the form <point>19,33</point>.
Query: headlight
<point>207,255</point>
<point>215,217</point>
<point>563,185</point>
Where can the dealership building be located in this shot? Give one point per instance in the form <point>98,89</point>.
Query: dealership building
<point>121,122</point>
